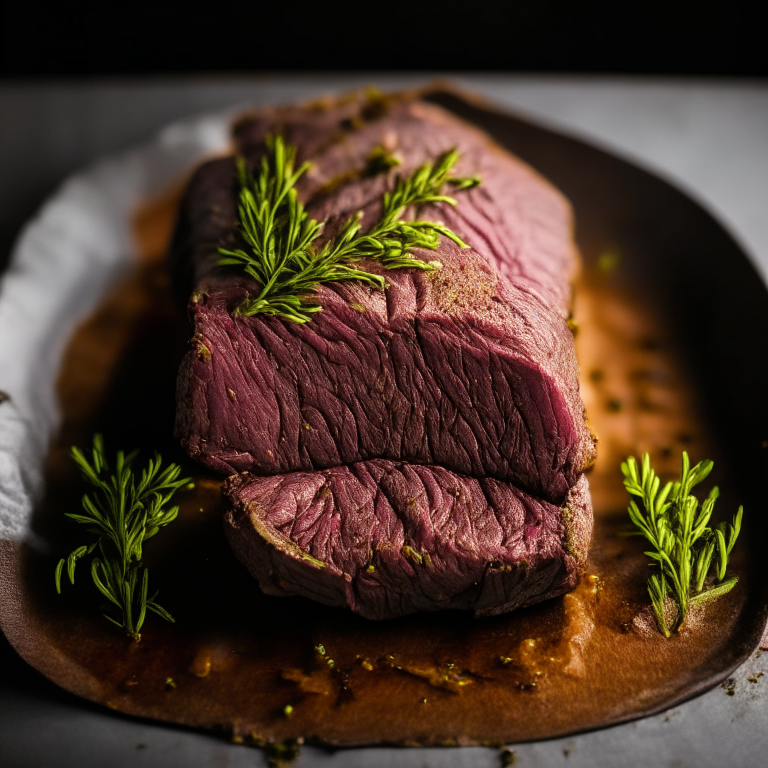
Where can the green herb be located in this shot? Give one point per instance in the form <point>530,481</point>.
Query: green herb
<point>122,514</point>
<point>279,238</point>
<point>281,754</point>
<point>380,161</point>
<point>685,549</point>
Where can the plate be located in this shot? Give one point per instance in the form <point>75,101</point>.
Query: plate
<point>660,334</point>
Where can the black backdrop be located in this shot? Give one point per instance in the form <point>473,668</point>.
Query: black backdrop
<point>96,39</point>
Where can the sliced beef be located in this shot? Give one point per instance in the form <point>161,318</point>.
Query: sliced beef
<point>388,539</point>
<point>516,219</point>
<point>471,368</point>
<point>407,450</point>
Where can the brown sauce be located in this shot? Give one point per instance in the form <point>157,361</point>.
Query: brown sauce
<point>236,659</point>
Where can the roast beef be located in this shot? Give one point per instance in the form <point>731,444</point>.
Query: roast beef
<point>388,539</point>
<point>464,378</point>
<point>471,367</point>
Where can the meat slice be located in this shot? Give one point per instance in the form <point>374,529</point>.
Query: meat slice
<point>471,368</point>
<point>387,539</point>
<point>411,449</point>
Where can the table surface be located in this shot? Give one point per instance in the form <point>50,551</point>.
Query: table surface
<point>709,138</point>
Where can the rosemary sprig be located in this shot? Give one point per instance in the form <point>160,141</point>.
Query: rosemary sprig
<point>122,513</point>
<point>279,237</point>
<point>685,549</point>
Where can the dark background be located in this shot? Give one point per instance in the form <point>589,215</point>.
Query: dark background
<point>720,39</point>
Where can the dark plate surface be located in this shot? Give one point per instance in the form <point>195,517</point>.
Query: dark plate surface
<point>669,309</point>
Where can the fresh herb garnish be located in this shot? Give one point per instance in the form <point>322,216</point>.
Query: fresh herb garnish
<point>279,237</point>
<point>122,513</point>
<point>685,549</point>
